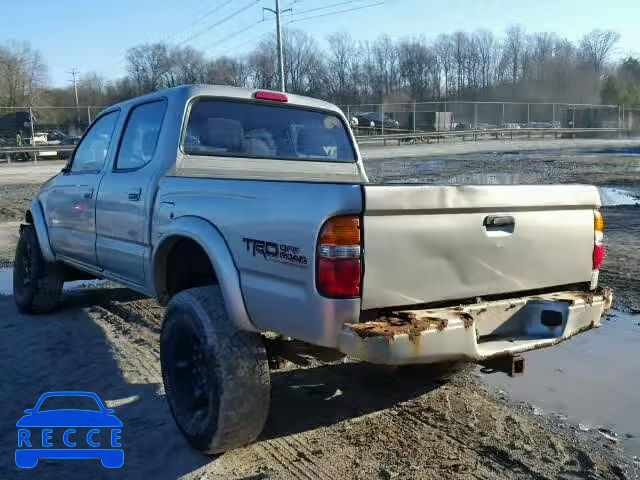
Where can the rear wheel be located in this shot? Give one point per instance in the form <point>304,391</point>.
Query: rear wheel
<point>37,285</point>
<point>216,377</point>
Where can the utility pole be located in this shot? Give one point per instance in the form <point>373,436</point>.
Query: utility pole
<point>277,12</point>
<point>74,72</point>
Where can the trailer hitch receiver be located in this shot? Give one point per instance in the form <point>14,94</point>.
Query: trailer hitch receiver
<point>512,365</point>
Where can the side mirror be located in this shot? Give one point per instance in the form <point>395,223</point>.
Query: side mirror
<point>29,410</point>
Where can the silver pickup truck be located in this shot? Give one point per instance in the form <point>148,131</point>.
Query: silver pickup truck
<point>250,212</point>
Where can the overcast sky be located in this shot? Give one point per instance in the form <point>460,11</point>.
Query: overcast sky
<point>94,35</point>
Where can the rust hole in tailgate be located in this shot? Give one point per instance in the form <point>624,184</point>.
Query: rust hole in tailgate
<point>387,327</point>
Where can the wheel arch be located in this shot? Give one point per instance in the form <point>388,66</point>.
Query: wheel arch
<point>210,241</point>
<point>35,216</point>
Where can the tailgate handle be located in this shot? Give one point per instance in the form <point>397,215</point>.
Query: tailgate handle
<point>497,221</point>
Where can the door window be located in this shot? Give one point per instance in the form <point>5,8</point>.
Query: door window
<point>92,151</point>
<point>141,135</point>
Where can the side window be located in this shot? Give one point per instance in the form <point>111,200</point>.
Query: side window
<point>141,135</point>
<point>92,150</point>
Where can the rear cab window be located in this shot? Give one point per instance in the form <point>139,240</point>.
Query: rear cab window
<point>235,128</point>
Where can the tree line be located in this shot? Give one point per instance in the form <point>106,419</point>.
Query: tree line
<point>516,66</point>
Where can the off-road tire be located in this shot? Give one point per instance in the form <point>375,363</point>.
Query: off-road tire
<point>216,377</point>
<point>37,285</point>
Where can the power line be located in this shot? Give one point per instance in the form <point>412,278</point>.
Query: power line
<point>225,19</point>
<point>326,6</point>
<point>336,12</point>
<point>293,2</point>
<point>198,19</point>
<point>160,35</point>
<point>251,40</point>
<point>201,15</point>
<point>235,34</point>
<point>122,63</point>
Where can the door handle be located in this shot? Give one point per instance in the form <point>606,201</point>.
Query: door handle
<point>496,221</point>
<point>134,194</point>
<point>88,194</point>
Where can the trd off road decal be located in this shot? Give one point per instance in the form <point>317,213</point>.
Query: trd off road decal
<point>276,252</point>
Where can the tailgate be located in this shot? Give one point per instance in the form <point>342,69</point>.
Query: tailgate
<point>432,243</point>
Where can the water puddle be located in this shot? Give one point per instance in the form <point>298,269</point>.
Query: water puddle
<point>6,282</point>
<point>612,197</point>
<point>590,379</point>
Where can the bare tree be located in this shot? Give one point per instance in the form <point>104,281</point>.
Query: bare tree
<point>227,71</point>
<point>517,66</point>
<point>487,48</point>
<point>459,55</point>
<point>341,61</point>
<point>184,66</point>
<point>148,65</point>
<point>262,66</point>
<point>444,54</point>
<point>596,46</point>
<point>416,63</point>
<point>23,74</point>
<point>514,50</point>
<point>543,44</point>
<point>92,89</point>
<point>383,61</point>
<point>303,66</point>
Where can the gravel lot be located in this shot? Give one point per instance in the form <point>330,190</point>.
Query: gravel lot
<point>341,420</point>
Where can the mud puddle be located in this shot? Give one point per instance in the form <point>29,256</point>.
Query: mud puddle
<point>611,196</point>
<point>592,380</point>
<point>6,282</point>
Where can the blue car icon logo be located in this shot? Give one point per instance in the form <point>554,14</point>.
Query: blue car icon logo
<point>88,431</point>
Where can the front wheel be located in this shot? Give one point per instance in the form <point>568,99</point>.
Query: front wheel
<point>37,285</point>
<point>216,376</point>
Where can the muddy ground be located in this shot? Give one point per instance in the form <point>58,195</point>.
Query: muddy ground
<point>342,420</point>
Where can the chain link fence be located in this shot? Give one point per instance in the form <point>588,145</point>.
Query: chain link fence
<point>47,127</point>
<point>631,119</point>
<point>33,125</point>
<point>23,129</point>
<point>457,115</point>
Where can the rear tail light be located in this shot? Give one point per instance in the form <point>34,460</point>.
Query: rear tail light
<point>339,268</point>
<point>598,239</point>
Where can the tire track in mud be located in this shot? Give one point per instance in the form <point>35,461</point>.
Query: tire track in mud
<point>145,360</point>
<point>534,457</point>
<point>412,419</point>
<point>294,464</point>
<point>309,455</point>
